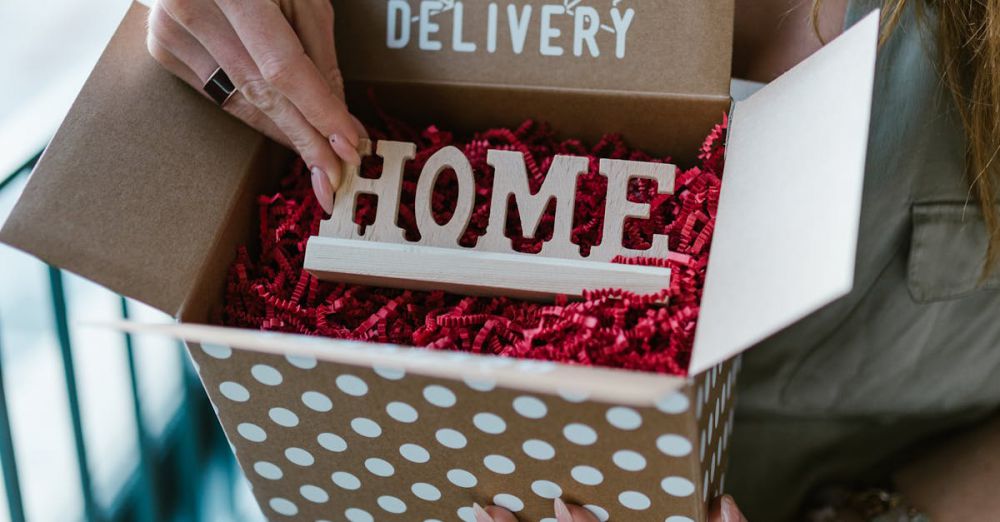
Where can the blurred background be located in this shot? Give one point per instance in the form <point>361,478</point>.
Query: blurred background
<point>94,425</point>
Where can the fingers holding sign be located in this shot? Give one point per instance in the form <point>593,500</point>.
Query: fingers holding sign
<point>280,57</point>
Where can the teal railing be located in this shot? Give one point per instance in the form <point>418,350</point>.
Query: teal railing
<point>184,472</point>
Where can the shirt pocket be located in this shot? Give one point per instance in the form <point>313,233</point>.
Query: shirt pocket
<point>947,252</point>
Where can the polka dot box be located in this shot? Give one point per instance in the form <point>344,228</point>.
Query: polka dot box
<point>147,189</point>
<point>422,434</point>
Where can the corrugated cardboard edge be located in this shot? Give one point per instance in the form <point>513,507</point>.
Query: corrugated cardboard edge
<point>600,384</point>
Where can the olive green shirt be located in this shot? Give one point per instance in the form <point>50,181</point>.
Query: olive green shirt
<point>914,350</point>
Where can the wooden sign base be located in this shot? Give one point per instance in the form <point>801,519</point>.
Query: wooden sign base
<point>471,272</point>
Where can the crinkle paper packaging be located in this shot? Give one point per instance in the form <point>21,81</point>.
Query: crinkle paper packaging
<point>610,327</point>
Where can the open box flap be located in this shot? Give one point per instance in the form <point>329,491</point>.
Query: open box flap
<point>135,187</point>
<point>600,384</point>
<point>787,225</point>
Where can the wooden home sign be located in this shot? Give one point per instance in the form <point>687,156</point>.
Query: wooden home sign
<point>381,256</point>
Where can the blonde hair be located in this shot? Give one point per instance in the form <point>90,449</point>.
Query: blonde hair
<point>968,43</point>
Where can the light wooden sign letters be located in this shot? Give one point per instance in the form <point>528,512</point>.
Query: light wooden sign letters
<point>382,256</point>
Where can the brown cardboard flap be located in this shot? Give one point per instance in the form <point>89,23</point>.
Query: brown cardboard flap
<point>677,47</point>
<point>136,185</point>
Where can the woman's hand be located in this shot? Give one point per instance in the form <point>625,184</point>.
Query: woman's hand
<point>563,513</point>
<point>723,510</point>
<point>280,56</point>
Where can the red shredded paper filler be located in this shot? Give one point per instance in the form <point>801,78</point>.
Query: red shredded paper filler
<point>609,327</point>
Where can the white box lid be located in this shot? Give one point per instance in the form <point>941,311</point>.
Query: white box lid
<point>787,226</point>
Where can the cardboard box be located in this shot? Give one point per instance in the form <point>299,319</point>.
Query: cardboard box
<point>148,189</point>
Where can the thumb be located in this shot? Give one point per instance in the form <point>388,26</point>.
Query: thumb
<point>571,513</point>
<point>724,509</point>
<point>492,514</point>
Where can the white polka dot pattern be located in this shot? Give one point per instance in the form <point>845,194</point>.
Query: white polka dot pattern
<point>216,351</point>
<point>580,434</point>
<point>387,444</point>
<point>450,438</point>
<point>346,480</point>
<point>266,375</point>
<point>402,412</point>
<point>587,475</point>
<point>546,489</point>
<point>439,396</point>
<point>677,486</point>
<point>366,427</point>
<point>301,362</point>
<point>414,453</point>
<point>530,407</point>
<point>599,512</point>
<point>634,500</point>
<point>283,507</point>
<point>462,478</point>
<point>389,372</point>
<point>251,432</point>
<point>499,464</point>
<point>489,423</point>
<point>358,515</point>
<point>379,467</point>
<point>331,442</point>
<point>284,417</point>
<point>508,501</point>
<point>629,460</point>
<point>425,491</point>
<point>268,470</point>
<point>316,401</point>
<point>352,385</point>
<point>673,445</point>
<point>234,391</point>
<point>392,504</point>
<point>465,514</point>
<point>480,384</point>
<point>624,418</point>
<point>538,449</point>
<point>299,456</point>
<point>715,422</point>
<point>314,494</point>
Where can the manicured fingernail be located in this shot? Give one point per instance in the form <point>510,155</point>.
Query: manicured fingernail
<point>730,513</point>
<point>562,512</point>
<point>481,514</point>
<point>322,188</point>
<point>345,150</point>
